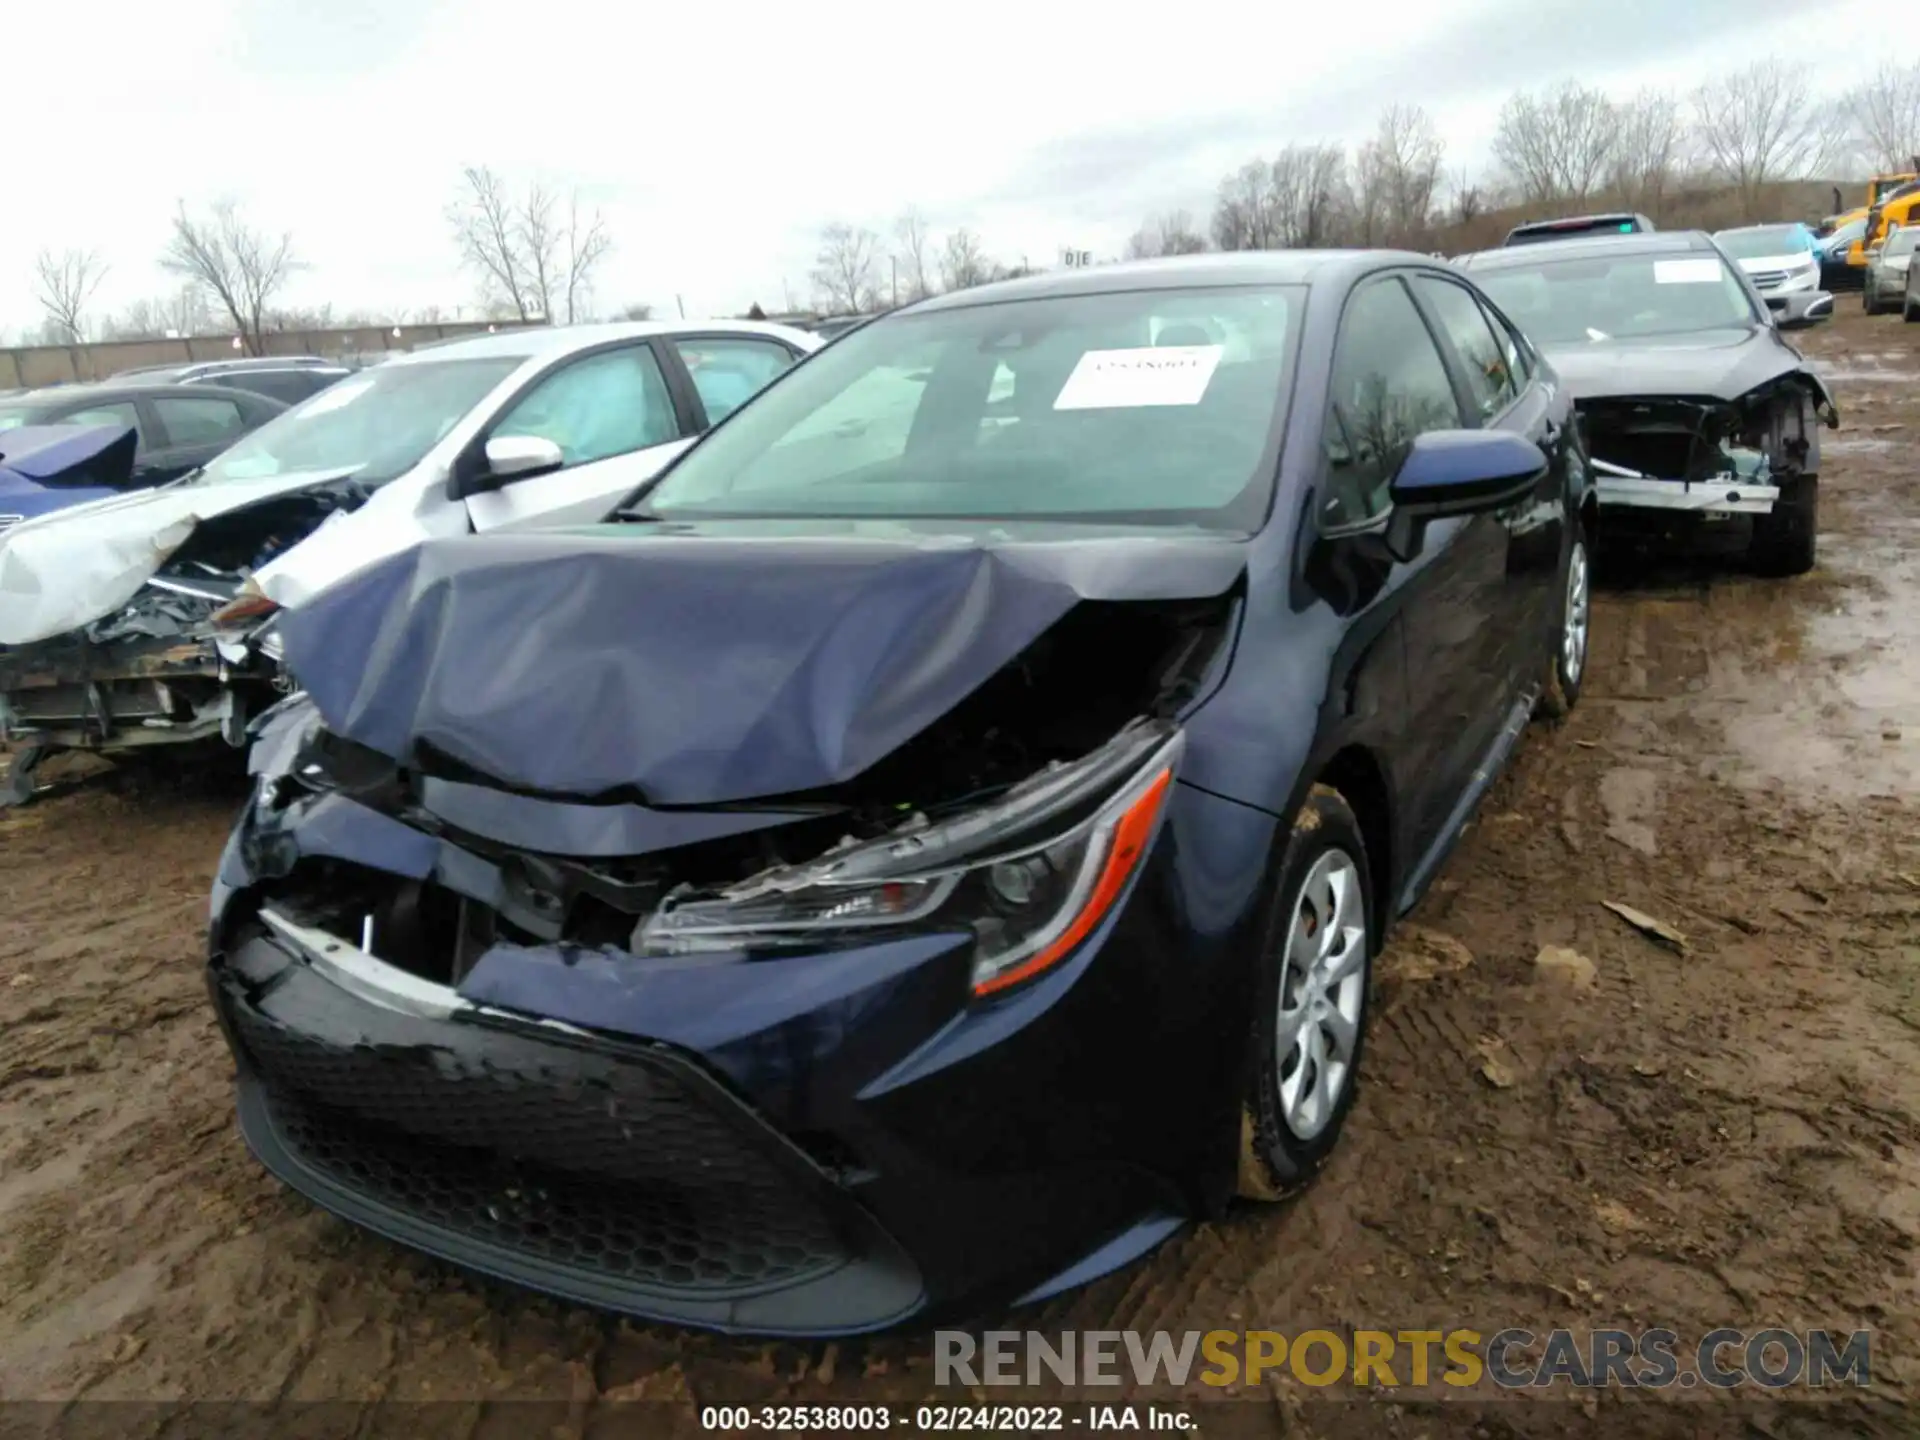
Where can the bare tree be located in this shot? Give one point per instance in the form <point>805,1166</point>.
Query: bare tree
<point>1758,126</point>
<point>488,232</point>
<point>1246,213</point>
<point>1885,111</point>
<point>587,244</point>
<point>963,261</point>
<point>1468,200</point>
<point>844,268</point>
<point>1649,149</point>
<point>910,253</point>
<point>1556,145</point>
<point>1170,233</point>
<point>535,254</point>
<point>64,282</point>
<point>241,268</point>
<point>1309,195</point>
<point>1399,176</point>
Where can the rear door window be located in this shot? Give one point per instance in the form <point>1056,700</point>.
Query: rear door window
<point>199,419</point>
<point>729,371</point>
<point>1489,373</point>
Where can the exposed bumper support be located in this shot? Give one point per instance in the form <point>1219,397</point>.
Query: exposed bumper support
<point>1620,488</point>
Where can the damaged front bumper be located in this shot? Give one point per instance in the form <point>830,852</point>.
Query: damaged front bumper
<point>827,1136</point>
<point>1703,461</point>
<point>154,674</point>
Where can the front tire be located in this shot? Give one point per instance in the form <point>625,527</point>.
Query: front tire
<point>1909,311</point>
<point>1310,1013</point>
<point>1785,540</point>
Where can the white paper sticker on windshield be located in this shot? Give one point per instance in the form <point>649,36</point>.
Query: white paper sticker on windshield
<point>1124,379</point>
<point>341,392</point>
<point>1685,272</point>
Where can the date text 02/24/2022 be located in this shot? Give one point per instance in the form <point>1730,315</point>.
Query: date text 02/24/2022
<point>936,1419</point>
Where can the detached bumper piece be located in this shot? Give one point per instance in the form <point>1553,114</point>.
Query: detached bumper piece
<point>615,1175</point>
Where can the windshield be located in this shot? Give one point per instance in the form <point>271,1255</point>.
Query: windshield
<point>1142,407</point>
<point>1901,241</point>
<point>1758,244</point>
<point>375,425</point>
<point>1893,187</point>
<point>13,416</point>
<point>1619,297</point>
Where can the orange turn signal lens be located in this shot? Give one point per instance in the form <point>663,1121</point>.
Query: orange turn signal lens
<point>1126,843</point>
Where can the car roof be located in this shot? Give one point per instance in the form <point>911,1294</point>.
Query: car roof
<point>1775,225</point>
<point>1181,272</point>
<point>1646,242</point>
<point>107,391</point>
<point>545,341</point>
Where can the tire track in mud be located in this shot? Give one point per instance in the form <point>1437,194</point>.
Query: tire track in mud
<point>1725,1136</point>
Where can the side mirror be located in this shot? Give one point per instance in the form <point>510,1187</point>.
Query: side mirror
<point>1457,472</point>
<point>505,459</point>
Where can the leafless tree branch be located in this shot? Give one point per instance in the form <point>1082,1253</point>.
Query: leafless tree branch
<point>1757,127</point>
<point>843,270</point>
<point>910,253</point>
<point>64,283</point>
<point>240,267</point>
<point>963,261</point>
<point>1885,114</point>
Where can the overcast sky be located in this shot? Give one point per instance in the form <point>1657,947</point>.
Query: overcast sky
<point>717,139</point>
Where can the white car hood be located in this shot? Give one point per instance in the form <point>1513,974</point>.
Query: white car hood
<point>75,566</point>
<point>1796,261</point>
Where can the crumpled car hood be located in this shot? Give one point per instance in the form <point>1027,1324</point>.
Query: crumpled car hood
<point>44,468</point>
<point>1707,364</point>
<point>703,665</point>
<point>68,569</point>
<point>47,454</point>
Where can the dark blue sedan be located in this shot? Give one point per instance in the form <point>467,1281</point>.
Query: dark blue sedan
<point>932,843</point>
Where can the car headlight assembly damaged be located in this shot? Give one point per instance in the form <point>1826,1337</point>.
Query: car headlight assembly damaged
<point>1031,875</point>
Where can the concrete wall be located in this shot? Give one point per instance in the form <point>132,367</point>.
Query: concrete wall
<point>35,365</point>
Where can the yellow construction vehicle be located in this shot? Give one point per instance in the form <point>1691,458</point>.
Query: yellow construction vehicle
<point>1892,199</point>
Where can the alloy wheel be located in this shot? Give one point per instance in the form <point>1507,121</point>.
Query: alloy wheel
<point>1322,990</point>
<point>1573,629</point>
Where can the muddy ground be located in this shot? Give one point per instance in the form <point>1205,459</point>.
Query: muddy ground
<point>1728,1135</point>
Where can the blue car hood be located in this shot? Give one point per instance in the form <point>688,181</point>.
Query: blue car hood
<point>33,457</point>
<point>702,665</point>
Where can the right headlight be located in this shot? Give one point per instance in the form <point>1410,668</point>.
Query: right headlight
<point>1031,875</point>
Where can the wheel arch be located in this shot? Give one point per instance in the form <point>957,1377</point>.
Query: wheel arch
<point>1357,774</point>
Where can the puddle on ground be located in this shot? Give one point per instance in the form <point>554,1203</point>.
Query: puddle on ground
<point>1812,685</point>
<point>1843,719</point>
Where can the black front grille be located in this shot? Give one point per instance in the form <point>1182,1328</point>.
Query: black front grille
<point>706,1238</point>
<point>570,1109</point>
<point>625,1164</point>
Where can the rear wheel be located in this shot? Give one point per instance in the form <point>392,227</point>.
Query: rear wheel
<point>1569,664</point>
<point>1786,538</point>
<point>1310,1014</point>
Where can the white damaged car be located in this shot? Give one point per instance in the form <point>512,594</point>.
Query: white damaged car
<point>148,618</point>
